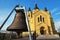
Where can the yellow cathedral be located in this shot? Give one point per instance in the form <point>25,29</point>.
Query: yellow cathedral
<point>40,21</point>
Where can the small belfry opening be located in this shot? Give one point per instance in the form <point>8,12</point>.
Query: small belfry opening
<point>42,31</point>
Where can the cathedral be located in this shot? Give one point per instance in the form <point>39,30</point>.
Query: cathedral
<point>40,21</point>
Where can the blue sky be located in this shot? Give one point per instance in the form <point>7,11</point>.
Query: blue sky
<point>7,5</point>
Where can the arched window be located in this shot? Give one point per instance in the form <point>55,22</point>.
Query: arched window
<point>43,19</point>
<point>40,18</point>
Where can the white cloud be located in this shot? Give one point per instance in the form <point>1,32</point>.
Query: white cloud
<point>5,27</point>
<point>1,19</point>
<point>9,21</point>
<point>57,13</point>
<point>54,10</point>
<point>57,25</point>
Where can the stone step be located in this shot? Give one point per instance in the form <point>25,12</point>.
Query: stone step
<point>41,37</point>
<point>47,36</point>
<point>36,39</point>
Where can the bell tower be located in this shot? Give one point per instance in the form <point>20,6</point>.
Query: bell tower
<point>19,23</point>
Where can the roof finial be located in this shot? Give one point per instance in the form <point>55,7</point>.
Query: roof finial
<point>36,7</point>
<point>29,9</point>
<point>45,8</point>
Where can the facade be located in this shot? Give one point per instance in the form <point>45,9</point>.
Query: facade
<point>41,21</point>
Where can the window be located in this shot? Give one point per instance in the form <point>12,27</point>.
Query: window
<point>38,19</point>
<point>28,15</point>
<point>41,18</point>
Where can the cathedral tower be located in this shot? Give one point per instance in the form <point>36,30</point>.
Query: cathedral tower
<point>41,21</point>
